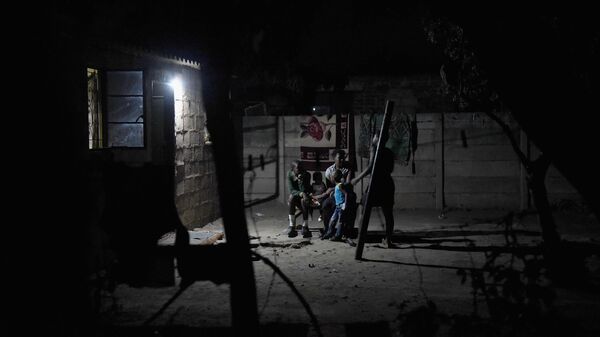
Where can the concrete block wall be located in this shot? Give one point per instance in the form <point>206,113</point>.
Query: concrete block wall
<point>417,96</point>
<point>196,186</point>
<point>465,162</point>
<point>481,168</point>
<point>260,137</point>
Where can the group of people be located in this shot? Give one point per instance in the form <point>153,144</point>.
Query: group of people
<point>335,197</point>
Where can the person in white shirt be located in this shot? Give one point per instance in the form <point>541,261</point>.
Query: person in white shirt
<point>328,206</point>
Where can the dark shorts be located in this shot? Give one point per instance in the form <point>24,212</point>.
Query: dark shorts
<point>383,194</point>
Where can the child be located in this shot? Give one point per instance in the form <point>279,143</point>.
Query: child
<point>318,192</point>
<point>340,205</point>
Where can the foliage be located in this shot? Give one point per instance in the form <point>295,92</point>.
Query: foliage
<point>514,285</point>
<point>464,80</point>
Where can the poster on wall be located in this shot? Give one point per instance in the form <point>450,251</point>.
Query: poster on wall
<point>320,135</point>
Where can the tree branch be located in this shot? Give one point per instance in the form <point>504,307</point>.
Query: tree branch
<point>512,139</point>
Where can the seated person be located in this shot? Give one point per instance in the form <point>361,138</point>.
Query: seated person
<point>318,191</point>
<point>299,187</point>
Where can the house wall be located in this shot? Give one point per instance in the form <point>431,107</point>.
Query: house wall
<point>195,175</point>
<point>195,180</point>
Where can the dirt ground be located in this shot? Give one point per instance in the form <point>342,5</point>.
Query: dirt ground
<point>378,295</point>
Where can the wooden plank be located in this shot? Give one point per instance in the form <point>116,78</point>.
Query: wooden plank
<point>389,107</point>
<point>281,168</point>
<point>209,240</point>
<point>439,163</point>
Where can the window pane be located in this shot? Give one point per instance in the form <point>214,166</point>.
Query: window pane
<point>130,135</point>
<point>125,109</point>
<point>124,83</point>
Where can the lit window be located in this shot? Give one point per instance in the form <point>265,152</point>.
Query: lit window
<point>116,110</point>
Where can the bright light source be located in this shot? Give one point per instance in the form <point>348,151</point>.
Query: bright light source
<point>314,109</point>
<point>177,86</point>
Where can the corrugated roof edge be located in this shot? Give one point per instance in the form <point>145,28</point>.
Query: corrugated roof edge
<point>144,52</point>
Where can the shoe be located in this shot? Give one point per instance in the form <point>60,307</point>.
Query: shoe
<point>325,236</point>
<point>306,232</point>
<point>292,233</point>
<point>336,238</point>
<point>388,243</point>
<point>350,242</point>
<point>320,219</point>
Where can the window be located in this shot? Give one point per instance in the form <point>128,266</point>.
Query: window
<point>115,110</point>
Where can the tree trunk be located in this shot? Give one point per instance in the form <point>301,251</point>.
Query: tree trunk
<point>537,185</point>
<point>536,181</point>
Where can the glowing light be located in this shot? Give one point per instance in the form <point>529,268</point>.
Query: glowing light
<point>177,86</point>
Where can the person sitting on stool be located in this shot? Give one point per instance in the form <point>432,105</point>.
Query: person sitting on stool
<point>299,187</point>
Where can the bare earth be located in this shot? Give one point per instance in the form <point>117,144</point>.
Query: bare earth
<point>349,296</point>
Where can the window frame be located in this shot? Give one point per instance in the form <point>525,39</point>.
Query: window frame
<point>104,96</point>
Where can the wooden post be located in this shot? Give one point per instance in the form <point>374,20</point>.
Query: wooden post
<point>281,159</point>
<point>364,221</point>
<point>440,202</point>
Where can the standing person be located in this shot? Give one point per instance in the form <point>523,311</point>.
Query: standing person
<point>382,195</point>
<point>341,164</point>
<point>299,187</point>
<point>340,205</point>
